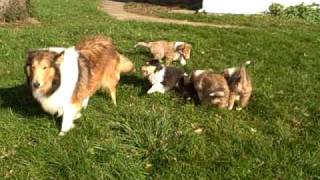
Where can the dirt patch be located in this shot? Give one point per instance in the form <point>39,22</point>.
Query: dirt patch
<point>116,10</point>
<point>25,22</point>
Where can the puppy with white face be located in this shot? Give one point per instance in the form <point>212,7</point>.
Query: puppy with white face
<point>168,50</point>
<point>240,86</point>
<point>212,88</point>
<point>161,78</point>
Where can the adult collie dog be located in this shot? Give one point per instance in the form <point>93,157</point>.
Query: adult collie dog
<point>63,79</point>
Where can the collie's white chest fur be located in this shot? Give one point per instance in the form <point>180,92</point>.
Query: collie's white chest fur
<point>69,71</point>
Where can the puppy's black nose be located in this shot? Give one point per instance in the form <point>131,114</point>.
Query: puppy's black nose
<point>36,85</point>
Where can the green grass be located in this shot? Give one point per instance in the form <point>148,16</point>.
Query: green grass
<point>277,137</point>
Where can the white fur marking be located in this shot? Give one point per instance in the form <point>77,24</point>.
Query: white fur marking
<point>158,87</point>
<point>85,102</point>
<point>157,77</point>
<point>54,49</point>
<point>198,72</point>
<point>218,93</point>
<point>182,61</point>
<point>178,43</point>
<point>231,71</point>
<point>156,80</point>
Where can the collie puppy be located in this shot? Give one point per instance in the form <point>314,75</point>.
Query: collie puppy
<point>212,88</point>
<point>62,80</point>
<point>169,51</point>
<point>162,78</point>
<point>186,89</point>
<point>240,85</point>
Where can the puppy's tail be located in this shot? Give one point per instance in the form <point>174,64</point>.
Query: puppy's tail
<point>125,65</point>
<point>143,44</point>
<point>246,63</point>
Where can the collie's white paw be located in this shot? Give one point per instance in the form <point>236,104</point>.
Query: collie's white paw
<point>77,116</point>
<point>62,133</point>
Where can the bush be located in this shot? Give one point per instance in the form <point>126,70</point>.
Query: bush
<point>310,13</point>
<point>276,9</point>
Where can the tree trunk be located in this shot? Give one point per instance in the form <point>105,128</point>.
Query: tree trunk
<point>12,10</point>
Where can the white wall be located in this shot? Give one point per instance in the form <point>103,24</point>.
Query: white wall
<point>246,6</point>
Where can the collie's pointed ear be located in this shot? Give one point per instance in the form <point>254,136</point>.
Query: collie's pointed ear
<point>30,56</point>
<point>58,58</point>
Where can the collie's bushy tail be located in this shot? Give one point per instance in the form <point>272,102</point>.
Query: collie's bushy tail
<point>125,65</point>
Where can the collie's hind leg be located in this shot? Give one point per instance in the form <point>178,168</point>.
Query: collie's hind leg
<point>112,91</point>
<point>110,83</point>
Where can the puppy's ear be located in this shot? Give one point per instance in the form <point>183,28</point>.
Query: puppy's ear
<point>180,47</point>
<point>30,56</point>
<point>226,74</point>
<point>58,58</point>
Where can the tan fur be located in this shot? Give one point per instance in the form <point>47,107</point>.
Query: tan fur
<point>240,86</point>
<point>212,88</point>
<point>105,65</point>
<point>166,50</point>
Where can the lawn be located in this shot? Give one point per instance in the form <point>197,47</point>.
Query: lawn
<point>157,136</point>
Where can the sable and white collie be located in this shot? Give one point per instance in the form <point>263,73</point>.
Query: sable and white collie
<point>63,79</point>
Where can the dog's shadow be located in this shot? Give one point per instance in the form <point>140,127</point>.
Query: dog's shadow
<point>137,82</point>
<point>19,99</point>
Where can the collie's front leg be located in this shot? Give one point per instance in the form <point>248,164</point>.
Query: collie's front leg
<point>71,112</point>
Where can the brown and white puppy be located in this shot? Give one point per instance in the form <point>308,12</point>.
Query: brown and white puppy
<point>169,51</point>
<point>62,80</point>
<point>240,85</point>
<point>161,78</point>
<point>212,88</point>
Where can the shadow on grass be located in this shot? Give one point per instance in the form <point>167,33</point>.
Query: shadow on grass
<point>137,82</point>
<point>263,107</point>
<point>20,101</point>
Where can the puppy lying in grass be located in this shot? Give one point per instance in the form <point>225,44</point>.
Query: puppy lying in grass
<point>162,78</point>
<point>212,88</point>
<point>240,85</point>
<point>169,51</point>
